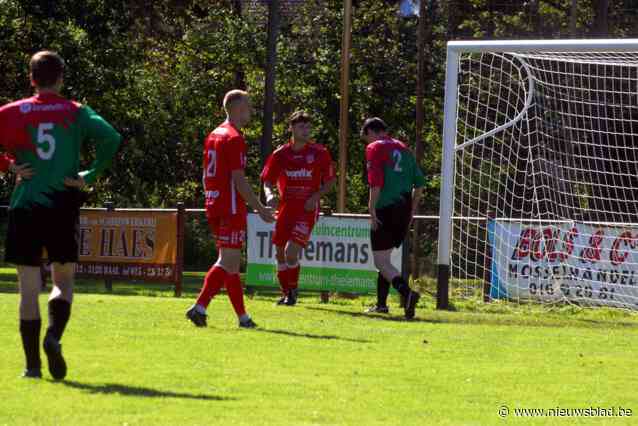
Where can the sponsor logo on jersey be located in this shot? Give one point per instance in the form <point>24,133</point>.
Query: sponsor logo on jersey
<point>26,107</point>
<point>212,194</point>
<point>299,174</point>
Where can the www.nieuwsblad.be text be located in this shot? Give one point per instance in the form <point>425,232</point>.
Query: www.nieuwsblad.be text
<point>506,411</point>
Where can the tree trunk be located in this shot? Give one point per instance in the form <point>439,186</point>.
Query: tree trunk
<point>240,76</point>
<point>271,62</point>
<point>534,12</point>
<point>418,140</point>
<point>573,18</point>
<point>601,21</point>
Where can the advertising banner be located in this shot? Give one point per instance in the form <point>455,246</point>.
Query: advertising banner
<point>128,245</point>
<point>567,261</point>
<point>338,256</point>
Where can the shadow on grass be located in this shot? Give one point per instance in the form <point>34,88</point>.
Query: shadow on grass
<point>114,388</point>
<point>191,286</point>
<point>487,318</point>
<point>311,336</point>
<point>382,317</point>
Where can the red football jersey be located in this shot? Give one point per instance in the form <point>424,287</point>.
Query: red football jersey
<point>298,174</point>
<point>5,161</point>
<point>224,152</point>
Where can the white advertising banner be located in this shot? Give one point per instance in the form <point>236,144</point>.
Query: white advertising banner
<point>568,261</point>
<point>338,256</point>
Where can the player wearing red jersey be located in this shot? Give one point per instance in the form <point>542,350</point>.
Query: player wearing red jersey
<point>227,192</point>
<point>396,183</point>
<point>303,173</point>
<point>43,136</point>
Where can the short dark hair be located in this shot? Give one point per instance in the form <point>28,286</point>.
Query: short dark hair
<point>299,117</point>
<point>46,68</point>
<point>375,124</point>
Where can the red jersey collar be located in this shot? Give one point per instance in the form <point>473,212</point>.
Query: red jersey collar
<point>47,95</point>
<point>291,143</point>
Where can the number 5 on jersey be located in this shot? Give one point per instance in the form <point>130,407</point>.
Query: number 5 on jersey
<point>46,141</point>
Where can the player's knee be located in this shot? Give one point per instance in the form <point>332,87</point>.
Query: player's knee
<point>29,308</point>
<point>230,260</point>
<point>381,261</point>
<point>378,263</point>
<point>292,259</point>
<point>280,255</point>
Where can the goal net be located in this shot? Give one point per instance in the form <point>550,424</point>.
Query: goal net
<point>539,201</point>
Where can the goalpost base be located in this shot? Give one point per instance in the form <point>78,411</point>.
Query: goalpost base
<point>443,287</point>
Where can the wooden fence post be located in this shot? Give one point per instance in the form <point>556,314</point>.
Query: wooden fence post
<point>108,282</point>
<point>179,258</point>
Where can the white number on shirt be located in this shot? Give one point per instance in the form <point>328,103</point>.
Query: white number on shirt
<point>212,163</point>
<point>46,141</point>
<point>396,154</point>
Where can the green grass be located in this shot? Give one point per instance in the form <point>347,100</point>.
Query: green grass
<point>133,359</point>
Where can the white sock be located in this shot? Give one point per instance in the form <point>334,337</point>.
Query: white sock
<point>244,318</point>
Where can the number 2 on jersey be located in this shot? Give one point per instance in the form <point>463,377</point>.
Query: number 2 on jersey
<point>396,155</point>
<point>46,141</point>
<point>212,163</point>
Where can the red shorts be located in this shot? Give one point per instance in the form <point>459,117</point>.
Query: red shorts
<point>229,231</point>
<point>294,225</point>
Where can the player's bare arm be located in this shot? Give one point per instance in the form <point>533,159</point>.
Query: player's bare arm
<point>313,201</point>
<point>244,189</point>
<point>272,198</point>
<point>22,171</point>
<point>375,193</point>
<point>78,182</point>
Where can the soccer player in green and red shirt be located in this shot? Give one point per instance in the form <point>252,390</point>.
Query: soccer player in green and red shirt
<point>44,134</point>
<point>396,183</point>
<point>303,173</point>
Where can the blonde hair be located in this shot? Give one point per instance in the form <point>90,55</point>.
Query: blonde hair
<point>232,97</point>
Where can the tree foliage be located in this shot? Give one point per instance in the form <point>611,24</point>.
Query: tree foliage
<point>158,70</point>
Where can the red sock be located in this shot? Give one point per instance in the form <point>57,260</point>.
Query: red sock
<point>212,284</point>
<point>235,293</point>
<point>293,276</point>
<point>282,276</point>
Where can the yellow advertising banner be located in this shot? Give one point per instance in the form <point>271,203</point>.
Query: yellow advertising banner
<point>128,244</point>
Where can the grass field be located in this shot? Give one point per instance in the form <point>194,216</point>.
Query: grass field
<point>133,359</point>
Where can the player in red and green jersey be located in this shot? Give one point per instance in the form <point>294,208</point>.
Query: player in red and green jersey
<point>303,173</point>
<point>45,133</point>
<point>227,192</point>
<point>396,183</point>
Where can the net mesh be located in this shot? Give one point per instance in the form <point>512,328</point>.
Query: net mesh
<point>546,178</point>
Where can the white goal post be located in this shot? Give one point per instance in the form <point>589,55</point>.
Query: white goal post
<point>539,191</point>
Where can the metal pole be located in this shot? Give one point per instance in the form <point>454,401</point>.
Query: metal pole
<point>447,179</point>
<point>343,117</point>
<point>271,62</point>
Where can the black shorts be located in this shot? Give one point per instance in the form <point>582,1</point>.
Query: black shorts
<point>52,228</point>
<point>395,221</point>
